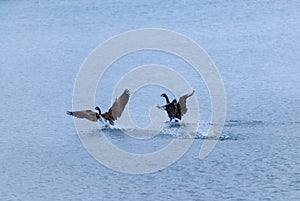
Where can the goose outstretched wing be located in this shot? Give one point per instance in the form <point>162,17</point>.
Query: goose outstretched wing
<point>116,110</point>
<point>182,102</point>
<point>85,114</point>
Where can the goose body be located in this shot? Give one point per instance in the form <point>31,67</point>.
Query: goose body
<point>176,109</point>
<point>114,112</point>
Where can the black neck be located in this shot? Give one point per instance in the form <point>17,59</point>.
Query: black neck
<point>167,99</point>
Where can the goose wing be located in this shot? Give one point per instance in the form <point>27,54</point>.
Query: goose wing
<point>182,102</point>
<point>85,114</point>
<point>116,110</point>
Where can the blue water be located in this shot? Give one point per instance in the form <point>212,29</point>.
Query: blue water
<point>255,46</point>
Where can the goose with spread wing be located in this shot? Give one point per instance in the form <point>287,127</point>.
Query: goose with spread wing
<point>176,109</point>
<point>114,112</point>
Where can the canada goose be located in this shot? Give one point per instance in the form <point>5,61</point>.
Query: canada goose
<point>111,115</point>
<point>176,109</point>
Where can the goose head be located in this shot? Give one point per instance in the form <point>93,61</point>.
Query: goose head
<point>98,108</point>
<point>164,95</point>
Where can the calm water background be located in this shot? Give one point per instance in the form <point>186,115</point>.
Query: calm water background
<point>255,46</point>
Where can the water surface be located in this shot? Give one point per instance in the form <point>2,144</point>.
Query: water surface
<point>255,46</point>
